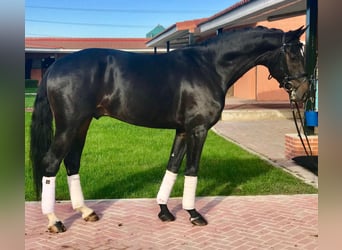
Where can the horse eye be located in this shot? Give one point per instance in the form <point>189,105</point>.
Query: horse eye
<point>288,86</point>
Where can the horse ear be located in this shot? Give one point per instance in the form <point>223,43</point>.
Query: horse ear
<point>301,30</point>
<point>295,34</point>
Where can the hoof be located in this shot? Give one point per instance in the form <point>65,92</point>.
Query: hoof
<point>58,227</point>
<point>199,221</point>
<point>166,216</point>
<point>92,217</point>
<point>196,218</point>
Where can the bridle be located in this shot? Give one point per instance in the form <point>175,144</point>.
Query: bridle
<point>288,86</point>
<point>287,78</point>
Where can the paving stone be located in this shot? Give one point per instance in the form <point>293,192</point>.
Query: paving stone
<point>253,222</point>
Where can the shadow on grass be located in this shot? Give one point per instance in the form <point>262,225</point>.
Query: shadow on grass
<point>217,177</point>
<point>221,177</point>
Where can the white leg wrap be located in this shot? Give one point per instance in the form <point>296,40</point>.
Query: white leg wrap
<point>166,187</point>
<point>75,190</point>
<point>48,194</point>
<point>189,192</point>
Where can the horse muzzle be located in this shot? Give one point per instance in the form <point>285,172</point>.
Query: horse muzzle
<point>300,93</point>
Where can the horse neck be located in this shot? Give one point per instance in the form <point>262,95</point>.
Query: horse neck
<point>234,59</point>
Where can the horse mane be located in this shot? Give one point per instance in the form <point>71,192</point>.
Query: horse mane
<point>237,31</point>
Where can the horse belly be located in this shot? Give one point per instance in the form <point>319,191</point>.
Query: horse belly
<point>147,113</point>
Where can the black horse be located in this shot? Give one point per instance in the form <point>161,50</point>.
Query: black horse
<point>183,90</point>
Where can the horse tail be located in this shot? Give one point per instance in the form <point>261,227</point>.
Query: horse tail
<point>41,132</point>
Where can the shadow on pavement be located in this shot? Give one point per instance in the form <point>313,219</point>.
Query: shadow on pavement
<point>308,162</point>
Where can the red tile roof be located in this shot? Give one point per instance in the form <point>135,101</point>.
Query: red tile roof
<point>82,43</point>
<point>190,25</point>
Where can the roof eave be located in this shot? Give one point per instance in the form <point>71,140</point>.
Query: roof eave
<point>246,14</point>
<point>61,50</point>
<point>176,31</point>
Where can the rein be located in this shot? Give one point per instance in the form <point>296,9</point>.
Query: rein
<point>293,106</point>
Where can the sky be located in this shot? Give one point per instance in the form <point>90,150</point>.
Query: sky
<point>112,18</point>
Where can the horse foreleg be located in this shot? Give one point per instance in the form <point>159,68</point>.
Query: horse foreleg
<point>176,157</point>
<point>195,144</point>
<point>48,205</point>
<point>164,194</point>
<point>77,199</point>
<point>189,194</point>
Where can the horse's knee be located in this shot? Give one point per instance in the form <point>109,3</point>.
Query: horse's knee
<point>195,144</point>
<point>199,131</point>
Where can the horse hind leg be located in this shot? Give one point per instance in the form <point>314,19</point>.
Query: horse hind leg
<point>63,147</point>
<point>176,157</point>
<point>55,225</point>
<point>51,163</point>
<point>72,164</point>
<point>77,199</point>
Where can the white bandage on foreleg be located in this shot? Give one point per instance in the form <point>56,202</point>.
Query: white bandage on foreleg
<point>166,187</point>
<point>75,190</point>
<point>189,192</point>
<point>48,194</point>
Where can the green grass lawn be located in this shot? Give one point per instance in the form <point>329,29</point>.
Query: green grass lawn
<point>126,161</point>
<point>29,101</point>
<point>31,90</point>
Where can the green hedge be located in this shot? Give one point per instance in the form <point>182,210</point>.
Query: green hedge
<point>29,83</point>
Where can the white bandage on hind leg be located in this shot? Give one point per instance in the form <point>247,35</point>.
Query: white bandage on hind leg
<point>189,192</point>
<point>75,190</point>
<point>166,187</point>
<point>48,194</point>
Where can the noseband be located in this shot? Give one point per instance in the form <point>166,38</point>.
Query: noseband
<point>286,82</point>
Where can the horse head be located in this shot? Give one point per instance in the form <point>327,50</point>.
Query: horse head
<point>287,65</point>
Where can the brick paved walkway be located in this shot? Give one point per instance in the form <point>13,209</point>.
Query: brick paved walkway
<point>266,138</point>
<point>250,222</point>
